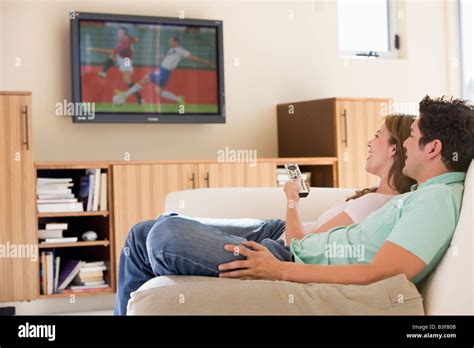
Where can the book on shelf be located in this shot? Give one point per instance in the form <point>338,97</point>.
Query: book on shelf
<point>60,240</point>
<point>93,190</point>
<point>57,262</point>
<point>94,289</point>
<point>56,226</point>
<point>90,274</point>
<point>93,264</point>
<point>49,272</point>
<point>90,196</point>
<point>80,287</point>
<point>44,234</point>
<point>55,195</point>
<point>60,207</point>
<point>103,192</point>
<point>70,269</point>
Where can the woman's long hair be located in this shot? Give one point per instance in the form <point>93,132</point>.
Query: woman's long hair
<point>398,126</point>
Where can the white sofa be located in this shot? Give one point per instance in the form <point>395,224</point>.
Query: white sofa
<point>448,290</point>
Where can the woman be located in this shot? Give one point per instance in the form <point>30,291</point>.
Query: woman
<point>175,244</point>
<point>383,161</point>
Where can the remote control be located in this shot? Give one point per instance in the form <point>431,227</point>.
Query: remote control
<point>293,172</point>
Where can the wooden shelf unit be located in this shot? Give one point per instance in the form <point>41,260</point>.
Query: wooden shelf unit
<point>102,291</point>
<point>78,222</point>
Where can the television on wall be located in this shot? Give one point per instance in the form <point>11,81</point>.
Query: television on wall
<point>140,69</point>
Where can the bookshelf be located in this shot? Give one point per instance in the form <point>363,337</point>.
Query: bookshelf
<point>100,222</point>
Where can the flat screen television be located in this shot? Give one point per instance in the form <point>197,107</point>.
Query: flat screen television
<point>137,69</point>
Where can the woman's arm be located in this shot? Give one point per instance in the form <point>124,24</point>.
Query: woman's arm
<point>293,225</point>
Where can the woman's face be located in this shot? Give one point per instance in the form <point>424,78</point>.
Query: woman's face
<point>381,152</point>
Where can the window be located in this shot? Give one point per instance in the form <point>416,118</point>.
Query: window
<point>367,28</point>
<point>466,30</point>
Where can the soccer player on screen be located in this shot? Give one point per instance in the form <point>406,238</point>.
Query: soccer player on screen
<point>122,56</point>
<point>161,76</point>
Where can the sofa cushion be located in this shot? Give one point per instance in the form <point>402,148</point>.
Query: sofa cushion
<point>195,295</point>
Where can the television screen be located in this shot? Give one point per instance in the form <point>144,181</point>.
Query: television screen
<point>146,69</point>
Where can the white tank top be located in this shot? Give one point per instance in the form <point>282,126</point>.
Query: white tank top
<point>357,209</point>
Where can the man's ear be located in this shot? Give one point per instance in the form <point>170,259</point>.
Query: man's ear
<point>434,148</point>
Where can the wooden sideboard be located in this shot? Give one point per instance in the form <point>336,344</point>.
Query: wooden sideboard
<point>136,192</point>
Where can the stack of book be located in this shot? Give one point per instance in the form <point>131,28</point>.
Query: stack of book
<point>55,195</point>
<point>49,272</point>
<point>90,276</point>
<point>81,276</point>
<point>93,190</point>
<point>282,177</point>
<point>53,232</point>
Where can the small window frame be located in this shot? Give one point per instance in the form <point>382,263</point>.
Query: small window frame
<point>393,32</point>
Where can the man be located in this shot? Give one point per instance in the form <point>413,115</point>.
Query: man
<point>161,76</point>
<point>408,235</point>
<point>122,56</point>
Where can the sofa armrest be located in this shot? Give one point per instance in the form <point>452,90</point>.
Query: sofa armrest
<point>251,202</point>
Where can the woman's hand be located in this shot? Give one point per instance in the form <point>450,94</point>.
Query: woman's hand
<point>260,263</point>
<point>292,189</point>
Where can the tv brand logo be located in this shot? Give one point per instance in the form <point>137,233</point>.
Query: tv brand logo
<point>37,331</point>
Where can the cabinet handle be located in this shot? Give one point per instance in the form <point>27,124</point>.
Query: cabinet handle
<point>27,141</point>
<point>193,180</point>
<point>344,114</point>
<point>207,179</point>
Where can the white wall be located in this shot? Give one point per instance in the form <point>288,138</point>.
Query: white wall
<point>281,60</point>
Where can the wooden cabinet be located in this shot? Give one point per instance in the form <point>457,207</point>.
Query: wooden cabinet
<point>335,127</point>
<point>19,262</point>
<point>261,174</point>
<point>139,192</point>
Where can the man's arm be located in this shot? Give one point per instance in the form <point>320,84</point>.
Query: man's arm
<point>200,60</point>
<point>389,261</point>
<point>261,264</point>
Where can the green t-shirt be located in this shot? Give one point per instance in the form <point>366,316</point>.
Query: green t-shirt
<point>421,221</point>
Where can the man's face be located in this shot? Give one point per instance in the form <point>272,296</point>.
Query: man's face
<point>172,43</point>
<point>415,157</point>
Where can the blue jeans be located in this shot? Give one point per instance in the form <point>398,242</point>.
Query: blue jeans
<point>183,245</point>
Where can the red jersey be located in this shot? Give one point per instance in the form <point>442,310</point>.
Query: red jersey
<point>124,47</point>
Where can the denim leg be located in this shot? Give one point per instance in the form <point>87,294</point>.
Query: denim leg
<point>134,265</point>
<point>188,246</point>
<point>178,244</point>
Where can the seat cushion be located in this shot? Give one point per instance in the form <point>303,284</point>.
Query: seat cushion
<point>196,295</point>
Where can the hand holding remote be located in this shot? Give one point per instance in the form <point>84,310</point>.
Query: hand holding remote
<point>294,174</point>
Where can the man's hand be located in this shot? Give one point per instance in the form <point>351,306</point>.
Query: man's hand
<point>260,263</point>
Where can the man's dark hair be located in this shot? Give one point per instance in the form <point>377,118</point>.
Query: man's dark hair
<point>175,38</point>
<point>452,122</point>
<point>125,30</point>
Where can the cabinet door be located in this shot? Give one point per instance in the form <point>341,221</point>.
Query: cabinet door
<point>139,192</point>
<point>19,262</point>
<point>357,121</point>
<point>261,174</point>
